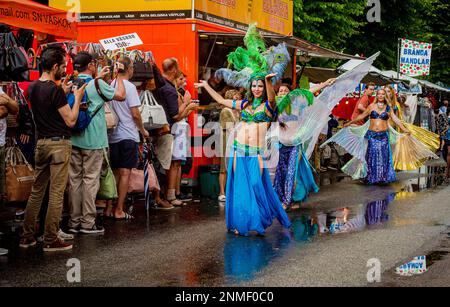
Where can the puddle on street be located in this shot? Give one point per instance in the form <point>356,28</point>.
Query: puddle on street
<point>435,256</point>
<point>243,257</point>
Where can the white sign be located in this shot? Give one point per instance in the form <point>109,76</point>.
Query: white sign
<point>120,42</point>
<point>415,58</point>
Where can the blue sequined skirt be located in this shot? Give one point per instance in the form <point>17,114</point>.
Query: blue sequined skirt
<point>380,167</point>
<point>294,179</point>
<point>252,203</point>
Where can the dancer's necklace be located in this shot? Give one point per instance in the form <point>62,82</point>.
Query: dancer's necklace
<point>380,105</point>
<point>256,103</point>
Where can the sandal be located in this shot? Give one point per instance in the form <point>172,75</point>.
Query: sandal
<point>177,203</point>
<point>127,217</point>
<point>163,205</point>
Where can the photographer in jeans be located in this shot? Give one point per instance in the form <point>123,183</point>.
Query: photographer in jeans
<point>53,118</point>
<point>89,145</point>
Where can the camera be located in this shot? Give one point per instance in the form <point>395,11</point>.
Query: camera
<point>78,82</point>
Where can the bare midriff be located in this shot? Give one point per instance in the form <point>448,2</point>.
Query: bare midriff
<point>252,134</point>
<point>378,125</point>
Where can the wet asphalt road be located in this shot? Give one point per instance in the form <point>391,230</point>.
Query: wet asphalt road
<point>190,246</point>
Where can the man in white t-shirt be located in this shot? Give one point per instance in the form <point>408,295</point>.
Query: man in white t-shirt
<point>7,106</point>
<point>124,140</point>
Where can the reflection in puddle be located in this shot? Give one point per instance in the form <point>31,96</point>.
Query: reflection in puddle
<point>246,256</point>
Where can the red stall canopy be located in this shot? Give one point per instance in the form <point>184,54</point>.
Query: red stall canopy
<point>34,16</point>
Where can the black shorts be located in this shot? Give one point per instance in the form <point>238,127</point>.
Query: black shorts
<point>124,154</point>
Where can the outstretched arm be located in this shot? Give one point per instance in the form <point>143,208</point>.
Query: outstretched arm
<point>217,97</point>
<point>322,85</point>
<point>398,122</point>
<point>359,118</point>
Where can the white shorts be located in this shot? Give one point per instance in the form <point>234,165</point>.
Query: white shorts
<point>180,142</point>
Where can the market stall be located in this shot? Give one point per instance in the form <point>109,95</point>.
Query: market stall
<point>200,34</point>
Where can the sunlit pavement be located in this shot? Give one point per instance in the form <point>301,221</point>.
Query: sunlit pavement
<point>333,236</point>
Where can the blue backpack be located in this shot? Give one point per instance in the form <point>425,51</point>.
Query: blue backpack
<point>84,118</point>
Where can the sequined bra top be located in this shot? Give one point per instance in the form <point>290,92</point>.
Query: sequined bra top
<point>383,116</point>
<point>257,117</point>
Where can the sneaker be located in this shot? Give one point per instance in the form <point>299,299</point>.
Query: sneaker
<point>65,236</point>
<point>26,243</point>
<point>20,216</point>
<point>61,235</point>
<point>96,229</point>
<point>3,252</point>
<point>184,197</point>
<point>332,168</point>
<point>57,246</point>
<point>74,230</point>
<point>222,198</point>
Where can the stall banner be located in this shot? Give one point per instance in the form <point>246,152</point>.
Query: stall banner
<point>415,58</point>
<point>123,41</point>
<point>38,17</point>
<point>413,90</point>
<point>128,9</point>
<point>272,16</point>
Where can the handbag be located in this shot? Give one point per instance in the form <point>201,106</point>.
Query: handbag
<point>16,59</point>
<point>136,183</point>
<point>143,70</point>
<point>108,187</point>
<point>112,120</point>
<point>19,176</point>
<point>152,114</point>
<point>3,73</point>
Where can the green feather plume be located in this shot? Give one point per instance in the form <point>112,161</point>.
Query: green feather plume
<point>285,103</point>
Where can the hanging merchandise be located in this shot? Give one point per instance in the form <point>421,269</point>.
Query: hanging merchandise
<point>142,69</point>
<point>14,63</point>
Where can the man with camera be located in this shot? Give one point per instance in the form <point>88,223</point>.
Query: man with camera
<point>53,118</point>
<point>89,144</point>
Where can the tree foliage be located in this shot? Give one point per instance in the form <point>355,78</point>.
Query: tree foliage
<point>343,26</point>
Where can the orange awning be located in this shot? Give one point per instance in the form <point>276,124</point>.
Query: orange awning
<point>34,16</point>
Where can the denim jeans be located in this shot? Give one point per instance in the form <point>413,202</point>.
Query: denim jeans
<point>52,166</point>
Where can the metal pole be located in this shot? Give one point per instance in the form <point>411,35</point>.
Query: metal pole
<point>398,57</point>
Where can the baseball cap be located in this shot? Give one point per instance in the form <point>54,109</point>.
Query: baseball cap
<point>83,59</point>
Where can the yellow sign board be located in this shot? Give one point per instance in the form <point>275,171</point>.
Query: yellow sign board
<point>126,9</point>
<point>270,15</point>
<point>108,6</point>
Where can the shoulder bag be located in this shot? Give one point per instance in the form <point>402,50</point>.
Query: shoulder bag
<point>19,175</point>
<point>153,114</point>
<point>108,187</point>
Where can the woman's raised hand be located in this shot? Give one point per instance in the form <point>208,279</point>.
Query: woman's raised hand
<point>201,84</point>
<point>270,76</point>
<point>330,81</point>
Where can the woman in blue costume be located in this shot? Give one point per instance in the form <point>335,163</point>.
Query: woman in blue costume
<point>379,166</point>
<point>252,203</point>
<point>294,178</point>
